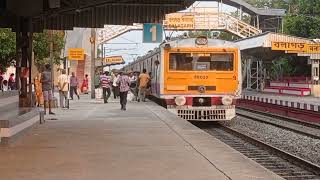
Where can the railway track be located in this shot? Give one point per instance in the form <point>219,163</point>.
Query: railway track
<point>298,126</point>
<point>280,162</point>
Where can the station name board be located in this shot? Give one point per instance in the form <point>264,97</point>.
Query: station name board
<point>296,47</point>
<point>114,60</point>
<point>179,21</point>
<point>76,54</point>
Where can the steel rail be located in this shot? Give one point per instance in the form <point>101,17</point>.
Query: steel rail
<point>276,151</point>
<point>296,130</point>
<point>289,119</point>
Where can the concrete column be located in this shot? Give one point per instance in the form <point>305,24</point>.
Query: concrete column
<point>240,13</point>
<point>24,61</point>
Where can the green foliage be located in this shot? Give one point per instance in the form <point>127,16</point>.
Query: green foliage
<point>304,20</point>
<point>303,26</point>
<point>41,47</point>
<point>41,43</point>
<point>281,68</point>
<point>7,48</point>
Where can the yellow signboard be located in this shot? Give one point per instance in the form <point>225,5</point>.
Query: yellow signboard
<point>292,47</point>
<point>313,48</point>
<point>179,21</point>
<point>76,54</point>
<point>288,46</point>
<point>112,60</point>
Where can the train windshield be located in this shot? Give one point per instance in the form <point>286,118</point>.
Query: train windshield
<point>201,62</point>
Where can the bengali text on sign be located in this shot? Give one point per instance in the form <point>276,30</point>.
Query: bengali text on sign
<point>296,47</point>
<point>179,21</point>
<point>76,54</point>
<point>114,60</point>
<point>288,46</point>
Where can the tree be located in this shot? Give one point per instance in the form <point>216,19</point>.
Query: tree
<point>41,43</point>
<point>7,48</point>
<point>304,20</point>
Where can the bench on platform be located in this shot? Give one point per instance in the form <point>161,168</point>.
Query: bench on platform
<point>289,90</point>
<point>296,91</point>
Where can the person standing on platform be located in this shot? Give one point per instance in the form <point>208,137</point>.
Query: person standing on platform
<point>1,81</point>
<point>11,82</point>
<point>133,85</point>
<point>46,81</point>
<point>144,78</point>
<point>63,87</point>
<point>124,85</point>
<point>85,83</point>
<point>38,89</point>
<point>105,81</point>
<point>115,87</point>
<point>74,85</point>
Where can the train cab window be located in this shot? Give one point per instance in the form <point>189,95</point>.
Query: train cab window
<point>200,62</point>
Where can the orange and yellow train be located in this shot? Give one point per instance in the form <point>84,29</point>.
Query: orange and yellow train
<point>196,78</point>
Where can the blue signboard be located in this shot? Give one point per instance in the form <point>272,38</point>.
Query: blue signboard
<point>152,33</point>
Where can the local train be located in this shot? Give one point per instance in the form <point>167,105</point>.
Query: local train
<point>195,78</point>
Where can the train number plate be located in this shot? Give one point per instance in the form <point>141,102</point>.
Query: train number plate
<point>201,76</point>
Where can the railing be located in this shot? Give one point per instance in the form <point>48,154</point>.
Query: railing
<point>202,21</point>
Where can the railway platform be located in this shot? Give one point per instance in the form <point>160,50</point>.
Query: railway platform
<point>296,102</point>
<point>92,140</point>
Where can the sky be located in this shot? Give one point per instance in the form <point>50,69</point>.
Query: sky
<point>130,46</point>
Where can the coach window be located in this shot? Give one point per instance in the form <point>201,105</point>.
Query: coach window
<point>200,62</point>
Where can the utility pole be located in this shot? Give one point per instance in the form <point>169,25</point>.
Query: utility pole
<point>93,54</point>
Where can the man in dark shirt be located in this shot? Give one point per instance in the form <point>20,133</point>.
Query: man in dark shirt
<point>46,80</point>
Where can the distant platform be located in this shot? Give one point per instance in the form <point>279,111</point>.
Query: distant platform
<point>299,102</point>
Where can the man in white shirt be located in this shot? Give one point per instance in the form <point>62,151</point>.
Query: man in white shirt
<point>63,86</point>
<point>115,87</point>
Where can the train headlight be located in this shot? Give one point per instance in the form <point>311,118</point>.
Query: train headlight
<point>227,100</point>
<point>180,101</point>
<point>201,100</point>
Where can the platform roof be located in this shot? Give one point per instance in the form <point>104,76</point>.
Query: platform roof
<point>66,14</point>
<point>260,45</point>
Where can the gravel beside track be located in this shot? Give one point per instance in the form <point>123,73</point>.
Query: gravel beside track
<point>303,128</point>
<point>299,145</point>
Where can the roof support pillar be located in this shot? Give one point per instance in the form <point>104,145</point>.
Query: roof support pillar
<point>24,35</point>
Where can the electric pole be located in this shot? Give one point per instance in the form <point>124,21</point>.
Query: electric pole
<point>93,54</point>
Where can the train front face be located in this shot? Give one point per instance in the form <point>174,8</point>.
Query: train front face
<point>201,83</point>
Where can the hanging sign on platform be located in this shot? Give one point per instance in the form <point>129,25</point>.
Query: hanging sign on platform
<point>114,60</point>
<point>152,33</point>
<point>179,21</point>
<point>76,54</point>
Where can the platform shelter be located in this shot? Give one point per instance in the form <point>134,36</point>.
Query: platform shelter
<point>259,51</point>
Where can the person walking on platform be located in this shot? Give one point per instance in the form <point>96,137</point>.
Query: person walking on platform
<point>85,83</point>
<point>63,89</point>
<point>115,87</point>
<point>105,81</point>
<point>46,80</point>
<point>124,85</point>
<point>74,85</point>
<point>144,78</point>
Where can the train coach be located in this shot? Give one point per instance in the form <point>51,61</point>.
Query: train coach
<point>196,78</point>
